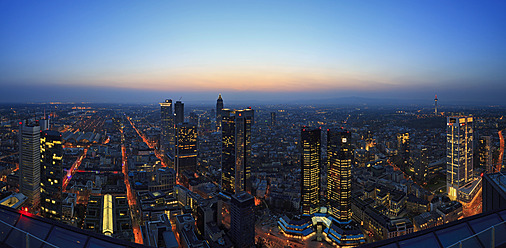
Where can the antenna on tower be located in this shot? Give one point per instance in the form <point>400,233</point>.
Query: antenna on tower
<point>180,98</point>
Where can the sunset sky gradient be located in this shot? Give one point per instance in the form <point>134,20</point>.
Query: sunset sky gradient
<point>141,50</point>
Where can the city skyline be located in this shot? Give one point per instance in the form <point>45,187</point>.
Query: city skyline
<point>279,52</point>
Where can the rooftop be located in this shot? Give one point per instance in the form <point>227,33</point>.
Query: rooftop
<point>453,232</point>
<point>15,223</point>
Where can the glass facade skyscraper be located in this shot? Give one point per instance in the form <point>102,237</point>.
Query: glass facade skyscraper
<point>167,140</point>
<point>236,150</point>
<point>310,170</point>
<point>459,153</point>
<point>339,155</point>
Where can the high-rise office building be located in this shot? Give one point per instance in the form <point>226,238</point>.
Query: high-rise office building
<point>29,163</point>
<point>420,163</point>
<point>273,119</point>
<point>403,150</point>
<point>186,148</point>
<point>219,107</point>
<point>242,220</point>
<point>236,150</point>
<point>459,154</point>
<point>485,154</point>
<point>167,140</point>
<point>310,170</point>
<point>51,180</point>
<point>179,112</point>
<point>340,154</point>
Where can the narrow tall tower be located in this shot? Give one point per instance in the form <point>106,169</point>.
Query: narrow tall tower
<point>236,150</point>
<point>51,174</point>
<point>29,163</point>
<point>167,141</point>
<point>339,156</point>
<point>310,170</point>
<point>219,107</point>
<point>179,112</point>
<point>435,105</point>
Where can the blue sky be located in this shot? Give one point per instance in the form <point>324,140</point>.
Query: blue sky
<point>143,50</point>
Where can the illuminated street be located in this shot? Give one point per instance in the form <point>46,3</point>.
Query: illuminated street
<point>157,153</point>
<point>73,169</point>
<point>130,195</point>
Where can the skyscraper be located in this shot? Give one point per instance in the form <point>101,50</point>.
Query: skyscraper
<point>179,112</point>
<point>242,220</point>
<point>340,154</point>
<point>310,170</point>
<point>459,154</point>
<point>403,150</point>
<point>186,148</point>
<point>219,107</point>
<point>167,136</point>
<point>236,150</point>
<point>485,154</point>
<point>51,174</point>
<point>420,163</point>
<point>29,163</point>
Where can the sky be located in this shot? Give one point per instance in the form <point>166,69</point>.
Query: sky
<point>271,51</point>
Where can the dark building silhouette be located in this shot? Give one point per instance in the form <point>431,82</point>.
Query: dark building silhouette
<point>236,150</point>
<point>310,170</point>
<point>242,220</point>
<point>179,112</point>
<point>167,140</point>
<point>494,191</point>
<point>219,107</point>
<point>51,150</point>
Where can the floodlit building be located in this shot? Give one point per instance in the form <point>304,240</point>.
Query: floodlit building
<point>459,153</point>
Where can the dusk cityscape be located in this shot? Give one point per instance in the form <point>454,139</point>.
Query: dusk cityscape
<point>252,124</point>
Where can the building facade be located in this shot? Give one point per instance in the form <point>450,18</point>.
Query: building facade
<point>236,150</point>
<point>310,170</point>
<point>186,148</point>
<point>339,155</point>
<point>179,112</point>
<point>459,154</point>
<point>242,220</point>
<point>29,163</point>
<point>167,139</point>
<point>51,150</point>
